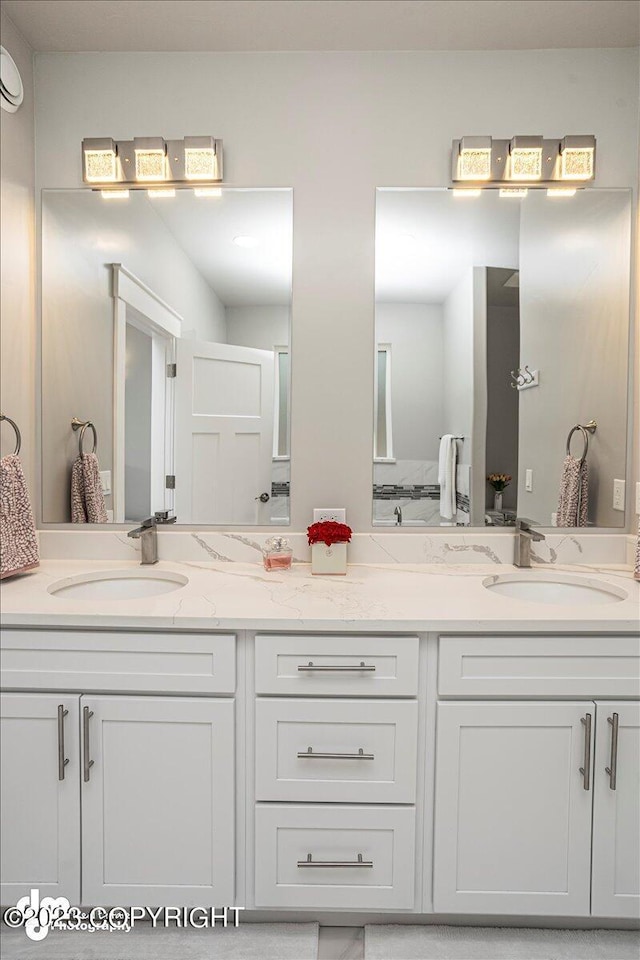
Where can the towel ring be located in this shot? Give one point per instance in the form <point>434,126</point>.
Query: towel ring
<point>585,431</point>
<point>17,433</point>
<point>82,425</point>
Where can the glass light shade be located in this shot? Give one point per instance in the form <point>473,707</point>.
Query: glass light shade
<point>100,165</point>
<point>461,192</point>
<point>199,158</point>
<point>161,192</point>
<point>114,194</point>
<point>150,154</point>
<point>561,192</point>
<point>577,163</point>
<point>513,192</point>
<point>474,161</point>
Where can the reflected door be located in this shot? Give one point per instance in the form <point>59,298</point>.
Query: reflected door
<point>223,433</point>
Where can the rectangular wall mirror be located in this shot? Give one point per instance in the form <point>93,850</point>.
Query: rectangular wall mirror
<point>502,324</point>
<point>166,324</point>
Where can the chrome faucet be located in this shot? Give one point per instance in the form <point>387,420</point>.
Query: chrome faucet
<point>398,514</point>
<point>147,534</point>
<point>524,537</point>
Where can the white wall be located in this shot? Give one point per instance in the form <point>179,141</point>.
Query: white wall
<point>577,336</point>
<point>264,327</point>
<point>415,333</point>
<point>334,126</point>
<point>17,264</point>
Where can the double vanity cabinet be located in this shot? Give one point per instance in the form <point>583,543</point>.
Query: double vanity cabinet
<point>409,773</point>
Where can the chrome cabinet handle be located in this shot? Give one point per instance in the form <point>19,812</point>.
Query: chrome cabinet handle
<point>336,668</point>
<point>62,760</point>
<point>86,754</point>
<point>586,769</point>
<point>310,862</point>
<point>612,769</point>
<point>310,755</point>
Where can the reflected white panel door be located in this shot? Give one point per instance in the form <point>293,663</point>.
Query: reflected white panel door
<point>158,805</point>
<point>223,432</point>
<point>40,796</point>
<point>513,817</point>
<point>616,821</point>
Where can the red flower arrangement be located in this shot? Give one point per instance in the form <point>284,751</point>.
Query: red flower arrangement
<point>329,531</point>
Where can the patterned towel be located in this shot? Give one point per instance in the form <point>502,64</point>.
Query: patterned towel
<point>18,540</point>
<point>573,502</point>
<point>87,498</point>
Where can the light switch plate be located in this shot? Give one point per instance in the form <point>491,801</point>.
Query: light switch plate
<point>618,494</point>
<point>339,514</point>
<point>528,480</point>
<point>105,480</point>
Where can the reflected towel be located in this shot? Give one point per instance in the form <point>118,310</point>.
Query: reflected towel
<point>18,540</point>
<point>573,502</point>
<point>636,569</point>
<point>87,498</point>
<point>447,476</point>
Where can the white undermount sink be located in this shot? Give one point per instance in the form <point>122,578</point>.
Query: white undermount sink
<point>553,588</point>
<point>118,585</point>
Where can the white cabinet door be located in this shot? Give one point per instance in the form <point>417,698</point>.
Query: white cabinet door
<point>158,804</point>
<point>513,817</point>
<point>616,816</point>
<point>40,845</point>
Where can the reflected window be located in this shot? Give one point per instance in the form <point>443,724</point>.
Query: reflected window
<point>383,440</point>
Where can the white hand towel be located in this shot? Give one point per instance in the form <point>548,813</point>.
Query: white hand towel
<point>447,476</point>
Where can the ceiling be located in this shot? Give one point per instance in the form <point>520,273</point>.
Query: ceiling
<point>233,25</point>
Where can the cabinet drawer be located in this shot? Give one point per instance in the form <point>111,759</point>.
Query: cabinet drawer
<point>112,661</point>
<point>352,666</point>
<point>544,666</point>
<point>383,837</point>
<point>362,751</point>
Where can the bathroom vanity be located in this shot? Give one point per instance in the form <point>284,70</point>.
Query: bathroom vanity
<point>402,741</point>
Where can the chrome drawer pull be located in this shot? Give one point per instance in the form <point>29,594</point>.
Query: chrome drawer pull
<point>310,755</point>
<point>309,862</point>
<point>586,769</point>
<point>338,668</point>
<point>62,760</point>
<point>612,769</point>
<point>86,756</point>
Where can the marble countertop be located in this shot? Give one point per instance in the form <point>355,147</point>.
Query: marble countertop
<point>382,597</point>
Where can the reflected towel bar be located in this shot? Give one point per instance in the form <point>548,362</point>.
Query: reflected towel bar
<point>82,425</point>
<point>585,430</point>
<point>17,433</point>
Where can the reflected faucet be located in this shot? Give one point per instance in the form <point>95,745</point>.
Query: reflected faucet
<point>398,514</point>
<point>524,537</point>
<point>147,534</point>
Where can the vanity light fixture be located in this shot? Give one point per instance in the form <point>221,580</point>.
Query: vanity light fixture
<point>525,158</point>
<point>474,160</point>
<point>161,192</point>
<point>114,194</point>
<point>465,192</point>
<point>194,162</point>
<point>513,192</point>
<point>528,162</point>
<point>100,160</point>
<point>150,154</point>
<point>577,158</point>
<point>199,158</point>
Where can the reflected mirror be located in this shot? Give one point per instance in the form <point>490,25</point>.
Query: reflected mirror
<point>166,326</point>
<point>502,326</point>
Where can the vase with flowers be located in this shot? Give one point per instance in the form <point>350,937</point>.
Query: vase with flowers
<point>499,481</point>
<point>328,540</point>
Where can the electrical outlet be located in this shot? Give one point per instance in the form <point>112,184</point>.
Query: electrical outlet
<point>528,480</point>
<point>339,514</point>
<point>618,494</point>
